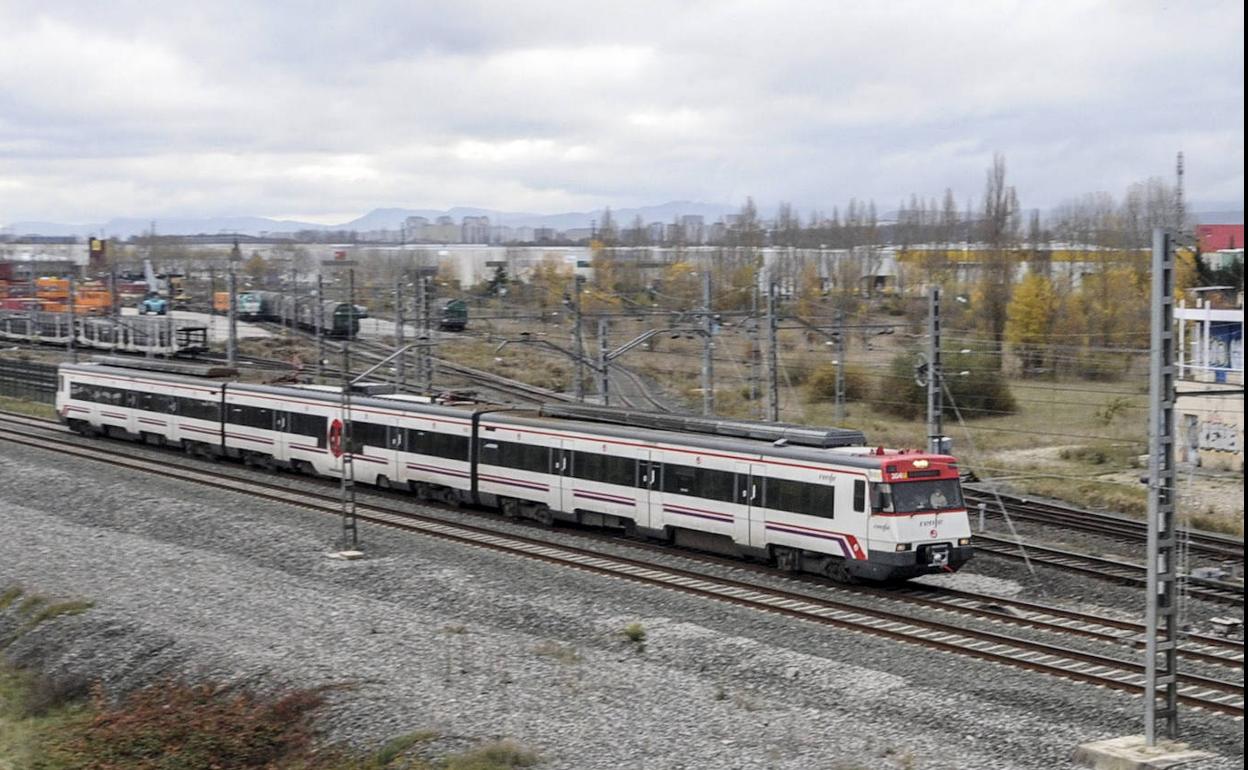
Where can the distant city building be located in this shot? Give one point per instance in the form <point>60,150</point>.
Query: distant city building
<point>544,234</point>
<point>693,229</point>
<point>656,232</point>
<point>576,234</point>
<point>475,230</point>
<point>414,229</point>
<point>443,230</point>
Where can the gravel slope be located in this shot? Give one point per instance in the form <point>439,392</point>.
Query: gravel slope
<point>476,645</point>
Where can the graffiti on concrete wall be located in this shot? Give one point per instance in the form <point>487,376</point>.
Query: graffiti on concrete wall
<point>1219,436</point>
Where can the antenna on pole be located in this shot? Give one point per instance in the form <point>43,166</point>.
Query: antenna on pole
<point>1179,213</point>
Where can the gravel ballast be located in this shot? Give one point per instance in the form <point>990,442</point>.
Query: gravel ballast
<point>427,634</point>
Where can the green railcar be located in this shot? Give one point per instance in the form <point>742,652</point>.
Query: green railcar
<point>454,315</point>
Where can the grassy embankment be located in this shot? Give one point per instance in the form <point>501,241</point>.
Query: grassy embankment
<point>68,724</point>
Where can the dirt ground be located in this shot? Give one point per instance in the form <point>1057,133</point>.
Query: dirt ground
<point>1205,493</point>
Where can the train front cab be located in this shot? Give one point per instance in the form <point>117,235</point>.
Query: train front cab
<point>918,523</point>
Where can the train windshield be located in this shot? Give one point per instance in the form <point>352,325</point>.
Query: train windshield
<point>915,496</point>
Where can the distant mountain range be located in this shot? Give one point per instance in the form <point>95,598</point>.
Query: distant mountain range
<point>391,218</point>
<point>377,219</point>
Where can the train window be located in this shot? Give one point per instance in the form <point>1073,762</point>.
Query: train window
<point>699,482</point>
<point>860,495</point>
<point>80,392</point>
<point>679,480</point>
<point>311,425</point>
<point>260,417</point>
<point>586,465</point>
<point>281,421</point>
<point>449,446</point>
<point>607,469</point>
<point>394,438</point>
<point>437,444</point>
<point>369,434</point>
<point>199,410</point>
<point>534,457</point>
<point>251,416</point>
<point>715,485</point>
<point>132,399</point>
<point>644,469</point>
<point>800,497</point>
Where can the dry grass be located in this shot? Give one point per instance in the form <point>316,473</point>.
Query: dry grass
<point>28,408</point>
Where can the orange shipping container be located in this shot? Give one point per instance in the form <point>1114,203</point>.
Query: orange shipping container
<point>221,301</point>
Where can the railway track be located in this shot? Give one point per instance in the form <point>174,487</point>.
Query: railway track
<point>1115,526</point>
<point>1202,648</point>
<point>1108,671</point>
<point>1115,570</point>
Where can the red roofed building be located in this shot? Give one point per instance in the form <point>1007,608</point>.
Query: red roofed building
<point>1218,237</point>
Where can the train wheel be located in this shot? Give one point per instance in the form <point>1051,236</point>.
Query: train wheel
<point>383,481</point>
<point>510,507</point>
<point>787,559</point>
<point>837,570</point>
<point>542,515</point>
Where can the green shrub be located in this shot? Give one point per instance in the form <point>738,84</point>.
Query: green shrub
<point>504,755</point>
<point>635,633</point>
<point>981,392</point>
<point>821,384</point>
<point>1101,454</point>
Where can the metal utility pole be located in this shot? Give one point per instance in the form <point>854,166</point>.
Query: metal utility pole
<point>1161,632</point>
<point>426,332</point>
<point>604,373</point>
<point>231,285</point>
<point>114,301</point>
<point>935,427</point>
<point>346,484</point>
<point>400,378</point>
<point>294,299</point>
<point>346,488</point>
<point>316,325</point>
<point>73,324</point>
<point>171,348</point>
<point>839,347</point>
<point>773,357</point>
<point>756,354</point>
<point>578,339</point>
<point>708,347</point>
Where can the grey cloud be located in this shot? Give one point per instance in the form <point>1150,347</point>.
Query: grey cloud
<point>300,108</point>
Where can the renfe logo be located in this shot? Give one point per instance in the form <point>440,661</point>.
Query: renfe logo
<point>335,437</point>
<point>932,533</point>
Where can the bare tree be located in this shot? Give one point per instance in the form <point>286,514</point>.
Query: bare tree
<point>999,234</point>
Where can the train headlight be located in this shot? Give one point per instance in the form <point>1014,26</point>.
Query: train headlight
<point>902,547</point>
<point>964,541</point>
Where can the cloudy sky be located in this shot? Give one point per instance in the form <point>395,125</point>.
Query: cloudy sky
<point>324,110</point>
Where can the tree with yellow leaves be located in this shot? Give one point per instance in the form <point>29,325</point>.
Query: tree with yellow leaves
<point>681,288</point>
<point>550,279</point>
<point>1030,317</point>
<point>601,294</point>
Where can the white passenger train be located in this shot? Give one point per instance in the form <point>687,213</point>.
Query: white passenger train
<point>815,500</point>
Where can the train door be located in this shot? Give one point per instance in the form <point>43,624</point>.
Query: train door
<point>649,505</point>
<point>749,517</point>
<point>561,467</point>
